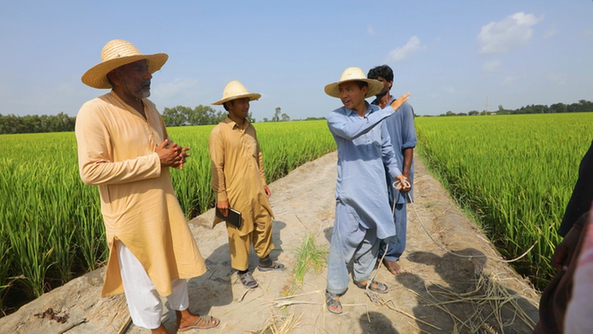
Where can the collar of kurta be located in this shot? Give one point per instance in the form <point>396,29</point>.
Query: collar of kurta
<point>368,111</point>
<point>234,124</point>
<point>114,94</point>
<point>376,102</point>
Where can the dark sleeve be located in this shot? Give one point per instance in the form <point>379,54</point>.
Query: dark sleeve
<point>582,195</point>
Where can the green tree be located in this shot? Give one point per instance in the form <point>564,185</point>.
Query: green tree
<point>276,117</point>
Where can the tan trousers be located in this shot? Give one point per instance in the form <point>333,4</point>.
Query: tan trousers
<point>240,246</point>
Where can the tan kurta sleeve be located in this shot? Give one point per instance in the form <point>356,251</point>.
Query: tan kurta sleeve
<point>262,172</point>
<point>216,148</point>
<point>95,155</point>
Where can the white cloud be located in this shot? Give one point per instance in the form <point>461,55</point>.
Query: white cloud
<point>550,33</point>
<point>588,33</point>
<point>178,88</point>
<point>509,81</point>
<point>491,66</point>
<point>370,30</point>
<point>450,89</point>
<point>507,35</point>
<point>558,78</point>
<point>404,52</point>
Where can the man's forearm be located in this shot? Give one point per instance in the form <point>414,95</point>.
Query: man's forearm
<point>407,164</point>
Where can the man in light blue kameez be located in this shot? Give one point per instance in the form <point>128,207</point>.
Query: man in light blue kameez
<point>363,216</point>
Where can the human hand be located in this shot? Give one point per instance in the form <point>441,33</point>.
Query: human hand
<point>183,155</point>
<point>565,250</point>
<point>168,154</point>
<point>398,184</point>
<point>397,103</point>
<point>406,185</point>
<point>268,191</point>
<point>223,207</point>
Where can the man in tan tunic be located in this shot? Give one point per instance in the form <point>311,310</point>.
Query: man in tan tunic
<point>123,148</point>
<point>239,182</point>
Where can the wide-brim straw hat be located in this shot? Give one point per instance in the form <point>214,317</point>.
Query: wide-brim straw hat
<point>235,90</point>
<point>354,74</point>
<point>117,53</point>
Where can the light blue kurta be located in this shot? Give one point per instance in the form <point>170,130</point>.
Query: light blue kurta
<point>364,153</point>
<point>363,215</point>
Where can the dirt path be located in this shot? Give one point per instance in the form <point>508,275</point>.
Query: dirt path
<point>438,293</point>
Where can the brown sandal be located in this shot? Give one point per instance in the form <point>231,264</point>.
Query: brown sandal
<point>247,280</point>
<point>202,322</point>
<point>373,286</point>
<point>332,300</point>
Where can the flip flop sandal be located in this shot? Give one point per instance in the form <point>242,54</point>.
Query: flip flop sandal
<point>247,280</point>
<point>276,266</point>
<point>203,322</point>
<point>332,301</point>
<point>374,286</point>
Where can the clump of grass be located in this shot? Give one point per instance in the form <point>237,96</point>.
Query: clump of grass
<point>309,255</point>
<point>281,324</point>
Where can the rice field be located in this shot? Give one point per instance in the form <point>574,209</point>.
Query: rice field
<point>50,222</point>
<point>515,173</point>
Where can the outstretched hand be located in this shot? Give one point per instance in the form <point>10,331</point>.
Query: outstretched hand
<point>398,103</point>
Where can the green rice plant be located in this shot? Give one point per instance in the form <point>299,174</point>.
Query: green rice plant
<point>309,255</point>
<point>516,173</point>
<point>51,228</point>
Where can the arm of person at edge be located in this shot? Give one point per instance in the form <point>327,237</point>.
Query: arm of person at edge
<point>388,156</point>
<point>97,166</point>
<point>216,149</point>
<point>352,130</point>
<point>566,249</point>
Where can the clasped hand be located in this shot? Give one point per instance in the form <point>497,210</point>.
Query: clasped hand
<point>173,155</point>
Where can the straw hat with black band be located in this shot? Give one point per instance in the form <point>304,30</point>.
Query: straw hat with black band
<point>354,74</point>
<point>118,53</point>
<point>235,90</point>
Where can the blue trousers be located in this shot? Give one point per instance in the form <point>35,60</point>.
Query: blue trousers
<point>360,247</point>
<point>397,244</point>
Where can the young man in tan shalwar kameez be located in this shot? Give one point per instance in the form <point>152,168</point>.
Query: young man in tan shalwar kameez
<point>123,148</point>
<point>239,182</point>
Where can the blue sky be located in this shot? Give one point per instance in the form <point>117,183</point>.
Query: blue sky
<point>450,55</point>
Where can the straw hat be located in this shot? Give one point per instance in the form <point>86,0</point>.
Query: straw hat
<point>235,90</point>
<point>117,53</point>
<point>354,74</point>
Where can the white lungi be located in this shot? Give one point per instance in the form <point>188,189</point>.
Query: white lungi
<point>144,302</point>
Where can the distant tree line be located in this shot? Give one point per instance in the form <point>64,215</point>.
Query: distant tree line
<point>61,122</point>
<point>176,116</point>
<point>581,106</point>
<point>278,117</point>
<point>200,115</point>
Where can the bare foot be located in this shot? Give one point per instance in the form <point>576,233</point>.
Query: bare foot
<point>160,330</point>
<point>393,267</point>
